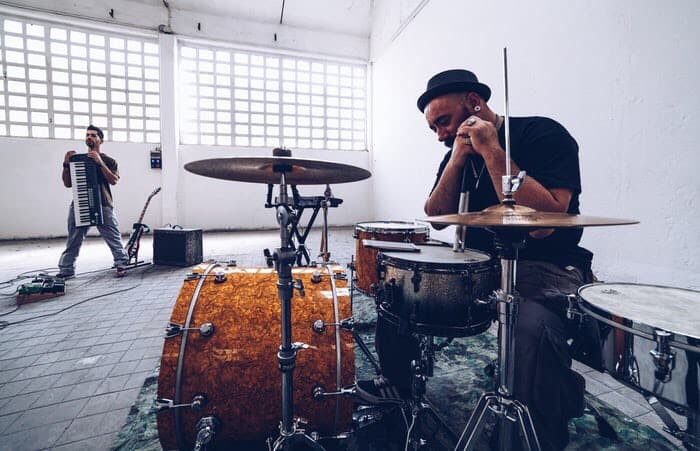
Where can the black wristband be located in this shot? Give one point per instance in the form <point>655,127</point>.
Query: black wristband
<point>66,165</point>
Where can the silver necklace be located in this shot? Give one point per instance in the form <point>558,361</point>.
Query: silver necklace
<point>477,176</point>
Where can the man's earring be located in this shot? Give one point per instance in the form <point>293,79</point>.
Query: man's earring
<point>477,108</point>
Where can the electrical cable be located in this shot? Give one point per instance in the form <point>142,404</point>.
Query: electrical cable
<point>7,313</point>
<point>5,324</point>
<point>410,430</point>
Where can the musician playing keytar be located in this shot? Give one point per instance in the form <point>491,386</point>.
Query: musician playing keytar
<point>550,266</point>
<point>107,174</point>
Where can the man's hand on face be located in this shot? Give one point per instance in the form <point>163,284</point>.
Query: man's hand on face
<point>69,154</point>
<point>477,134</point>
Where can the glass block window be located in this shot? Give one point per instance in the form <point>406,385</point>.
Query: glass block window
<point>256,99</point>
<point>59,79</point>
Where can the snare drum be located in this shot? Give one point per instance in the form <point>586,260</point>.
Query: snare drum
<point>437,291</point>
<point>228,357</point>
<point>366,257</point>
<point>651,338</point>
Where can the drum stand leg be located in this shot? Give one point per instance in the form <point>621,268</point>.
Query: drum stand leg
<point>509,412</point>
<point>284,258</point>
<point>418,404</point>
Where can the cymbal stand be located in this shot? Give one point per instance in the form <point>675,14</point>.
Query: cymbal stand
<point>284,258</point>
<point>507,241</point>
<point>324,254</point>
<point>508,410</point>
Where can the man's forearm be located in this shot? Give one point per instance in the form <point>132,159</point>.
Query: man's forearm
<point>530,194</point>
<point>108,174</point>
<point>445,197</point>
<point>65,176</point>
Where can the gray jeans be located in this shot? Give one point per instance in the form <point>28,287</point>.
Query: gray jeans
<point>109,231</point>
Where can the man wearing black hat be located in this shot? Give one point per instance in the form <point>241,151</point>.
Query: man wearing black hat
<point>550,266</point>
<point>107,174</point>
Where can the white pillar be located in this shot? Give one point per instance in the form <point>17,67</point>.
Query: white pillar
<point>169,128</point>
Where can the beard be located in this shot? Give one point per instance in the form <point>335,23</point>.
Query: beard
<point>449,142</point>
<point>89,143</point>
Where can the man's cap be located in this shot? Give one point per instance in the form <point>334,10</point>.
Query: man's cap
<point>449,81</point>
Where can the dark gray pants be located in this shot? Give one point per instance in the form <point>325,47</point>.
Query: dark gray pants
<point>544,380</point>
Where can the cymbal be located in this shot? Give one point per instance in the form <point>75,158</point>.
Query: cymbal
<point>268,169</point>
<point>516,216</point>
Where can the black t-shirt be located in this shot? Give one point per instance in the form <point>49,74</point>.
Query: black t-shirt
<point>548,153</point>
<point>111,164</point>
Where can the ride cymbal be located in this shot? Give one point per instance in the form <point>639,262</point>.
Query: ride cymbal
<point>267,170</point>
<point>505,216</point>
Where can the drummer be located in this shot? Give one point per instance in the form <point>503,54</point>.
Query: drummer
<point>550,266</point>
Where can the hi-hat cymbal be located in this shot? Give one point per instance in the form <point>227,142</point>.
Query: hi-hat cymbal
<point>505,216</point>
<point>268,170</point>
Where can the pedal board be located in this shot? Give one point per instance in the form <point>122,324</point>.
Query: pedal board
<point>40,288</point>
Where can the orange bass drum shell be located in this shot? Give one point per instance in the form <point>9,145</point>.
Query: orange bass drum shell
<point>236,367</point>
<point>366,257</point>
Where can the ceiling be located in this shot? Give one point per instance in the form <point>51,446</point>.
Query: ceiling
<point>339,16</point>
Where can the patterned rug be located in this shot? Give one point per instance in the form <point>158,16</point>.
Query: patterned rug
<point>458,382</point>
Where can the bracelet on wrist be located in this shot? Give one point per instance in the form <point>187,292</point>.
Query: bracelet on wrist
<point>66,165</point>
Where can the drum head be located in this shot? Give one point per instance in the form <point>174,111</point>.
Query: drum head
<point>438,256</point>
<point>391,227</point>
<point>674,310</point>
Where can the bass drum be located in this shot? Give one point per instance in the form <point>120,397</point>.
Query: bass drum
<point>632,317</point>
<point>366,257</point>
<point>232,366</point>
<point>437,291</point>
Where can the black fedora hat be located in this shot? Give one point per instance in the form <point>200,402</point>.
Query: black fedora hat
<point>449,81</point>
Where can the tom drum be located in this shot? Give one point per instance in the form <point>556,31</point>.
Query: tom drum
<point>366,257</point>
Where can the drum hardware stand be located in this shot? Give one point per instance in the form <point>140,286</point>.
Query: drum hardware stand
<point>348,324</point>
<point>355,335</point>
<point>206,432</point>
<point>324,254</point>
<point>664,363</point>
<point>299,204</point>
<point>284,257</point>
<point>421,370</point>
<point>502,403</point>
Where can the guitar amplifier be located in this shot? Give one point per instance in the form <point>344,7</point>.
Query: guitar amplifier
<point>177,247</point>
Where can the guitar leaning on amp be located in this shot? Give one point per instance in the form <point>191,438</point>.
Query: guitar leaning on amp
<point>132,247</point>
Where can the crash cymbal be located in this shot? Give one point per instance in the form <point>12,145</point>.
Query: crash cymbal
<point>504,216</point>
<point>268,169</point>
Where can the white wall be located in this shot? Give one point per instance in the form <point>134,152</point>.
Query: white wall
<point>621,76</point>
<point>150,15</point>
<point>35,201</point>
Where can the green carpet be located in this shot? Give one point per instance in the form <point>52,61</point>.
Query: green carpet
<point>458,383</point>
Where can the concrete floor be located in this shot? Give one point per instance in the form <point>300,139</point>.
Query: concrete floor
<point>71,366</point>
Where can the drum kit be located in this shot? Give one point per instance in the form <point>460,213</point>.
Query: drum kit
<point>221,347</point>
<point>215,373</point>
